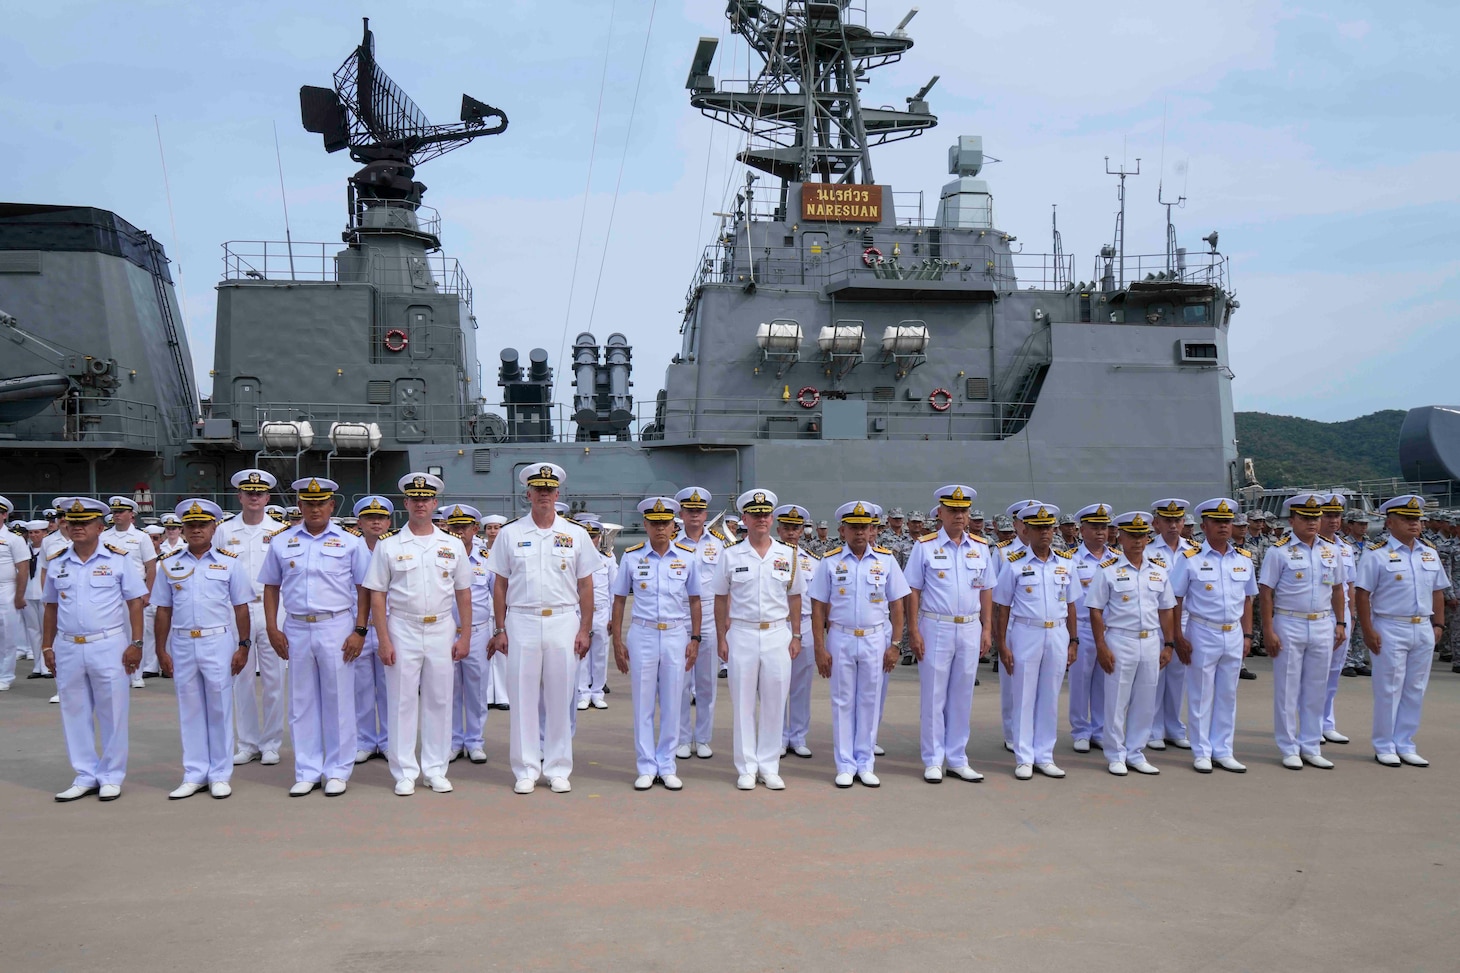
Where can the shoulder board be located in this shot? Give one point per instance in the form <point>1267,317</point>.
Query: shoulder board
<point>1016,556</point>
<point>716,533</point>
<point>835,550</point>
<point>682,546</point>
<point>925,538</point>
<point>181,549</point>
<point>817,557</point>
<point>1067,555</point>
<point>1245,552</point>
<point>217,550</point>
<point>390,533</point>
<point>281,530</point>
<point>58,553</point>
<point>117,550</point>
<point>1109,561</point>
<point>978,539</point>
<point>1427,543</point>
<point>353,530</point>
<point>881,550</point>
<point>1158,559</point>
<point>1376,545</point>
<point>1284,541</point>
<point>1191,552</point>
<point>637,547</point>
<point>1005,543</point>
<point>574,522</point>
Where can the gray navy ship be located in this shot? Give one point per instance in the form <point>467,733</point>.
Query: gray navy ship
<point>837,341</point>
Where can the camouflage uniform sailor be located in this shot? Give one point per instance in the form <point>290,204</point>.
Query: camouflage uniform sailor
<point>1401,607</point>
<point>895,538</point>
<point>1067,537</point>
<point>1170,547</point>
<point>1356,529</point>
<point>697,721</point>
<point>789,520</point>
<point>1087,680</point>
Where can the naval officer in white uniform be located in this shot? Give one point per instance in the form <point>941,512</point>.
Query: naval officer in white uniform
<point>373,515</point>
<point>542,603</point>
<point>14,579</point>
<point>1167,726</point>
<point>697,722</point>
<point>790,519</point>
<point>125,533</point>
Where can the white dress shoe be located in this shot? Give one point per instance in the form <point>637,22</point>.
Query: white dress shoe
<point>1155,744</point>
<point>1414,759</point>
<point>802,751</point>
<point>671,782</point>
<point>1023,772</point>
<point>335,786</point>
<point>477,755</point>
<point>1142,767</point>
<point>844,780</point>
<point>524,785</point>
<point>561,785</point>
<point>877,750</point>
<point>933,775</point>
<point>269,758</point>
<point>1202,765</point>
<point>1293,762</point>
<point>1231,764</point>
<point>773,782</point>
<point>55,699</point>
<point>245,756</point>
<point>302,787</point>
<point>583,704</point>
<point>456,754</point>
<point>188,789</point>
<point>1008,746</point>
<point>746,782</point>
<point>109,792</point>
<point>1117,767</point>
<point>597,703</point>
<point>869,779</point>
<point>137,682</point>
<point>439,784</point>
<point>361,756</point>
<point>966,773</point>
<point>220,789</point>
<point>1317,760</point>
<point>405,787</point>
<point>683,752</point>
<point>1082,746</point>
<point>643,782</point>
<point>1181,743</point>
<point>77,792</point>
<point>1387,759</point>
<point>703,751</point>
<point>1049,770</point>
<point>1333,736</point>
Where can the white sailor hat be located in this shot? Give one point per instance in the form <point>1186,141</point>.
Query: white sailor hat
<point>1012,510</point>
<point>1095,513</point>
<point>36,525</point>
<point>6,507</point>
<point>958,496</point>
<point>857,512</point>
<point>1170,507</point>
<point>438,516</point>
<point>1408,505</point>
<point>1039,514</point>
<point>254,481</point>
<point>81,509</point>
<point>493,519</point>
<point>755,502</point>
<point>1304,505</point>
<point>590,522</point>
<point>694,498</point>
<point>1218,508</point>
<point>1334,503</point>
<point>153,530</point>
<point>562,508</point>
<point>275,511</point>
<point>420,486</point>
<point>542,475</point>
<point>51,513</point>
<point>292,512</point>
<point>312,488</point>
<point>170,519</point>
<point>461,515</point>
<point>660,509</point>
<point>1134,522</point>
<point>196,510</point>
<point>790,513</point>
<point>731,519</point>
<point>120,503</point>
<point>373,505</point>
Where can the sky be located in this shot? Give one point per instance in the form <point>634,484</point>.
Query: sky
<point>1319,139</point>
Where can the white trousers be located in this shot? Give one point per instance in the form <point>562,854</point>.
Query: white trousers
<point>94,690</point>
<point>798,697</point>
<point>593,667</point>
<point>202,673</point>
<point>149,641</point>
<point>760,680</point>
<point>945,682</point>
<point>1211,689</point>
<point>1039,669</point>
<point>496,683</point>
<point>1129,694</point>
<point>418,696</point>
<point>1006,703</point>
<point>656,675</point>
<point>256,732</point>
<point>321,697</point>
<point>541,672</point>
<point>1300,682</point>
<point>12,633</point>
<point>31,617</point>
<point>1335,669</point>
<point>697,722</point>
<point>372,714</point>
<point>858,687</point>
<point>469,692</point>
<point>1401,673</point>
<point>1171,692</point>
<point>1087,689</point>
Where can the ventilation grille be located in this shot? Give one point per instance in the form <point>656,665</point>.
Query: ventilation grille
<point>20,262</point>
<point>977,390</point>
<point>883,393</point>
<point>481,461</point>
<point>377,392</point>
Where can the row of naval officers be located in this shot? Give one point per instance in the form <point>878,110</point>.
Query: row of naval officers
<point>318,578</point>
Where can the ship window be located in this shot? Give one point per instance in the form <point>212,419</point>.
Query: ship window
<point>1194,314</point>
<point>1199,352</point>
<point>481,461</point>
<point>884,393</point>
<point>377,392</point>
<point>977,390</point>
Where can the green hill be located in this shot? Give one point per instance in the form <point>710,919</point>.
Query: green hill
<point>1287,450</point>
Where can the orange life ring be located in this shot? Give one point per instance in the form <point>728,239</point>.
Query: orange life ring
<point>871,255</point>
<point>396,340</point>
<point>947,400</point>
<point>808,403</point>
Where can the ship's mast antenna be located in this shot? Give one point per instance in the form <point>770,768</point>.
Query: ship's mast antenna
<point>288,237</point>
<point>1118,244</point>
<point>1059,247</point>
<point>1170,227</point>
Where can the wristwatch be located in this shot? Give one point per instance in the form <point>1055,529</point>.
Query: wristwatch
<point>1169,645</point>
<point>1074,641</point>
<point>245,643</point>
<point>696,638</point>
<point>361,631</point>
<point>136,643</point>
<point>498,631</point>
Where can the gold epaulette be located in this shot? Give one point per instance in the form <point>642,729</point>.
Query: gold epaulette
<point>817,557</point>
<point>1158,559</point>
<point>52,557</point>
<point>977,539</point>
<point>1428,544</point>
<point>926,537</point>
<point>1245,553</point>
<point>637,546</point>
<point>1067,555</point>
<point>216,550</point>
<point>353,530</point>
<point>1191,552</point>
<point>1003,544</point>
<point>1111,560</point>
<point>1376,545</point>
<point>117,550</point>
<point>281,530</point>
<point>175,553</point>
<point>881,550</point>
<point>390,533</point>
<point>834,550</point>
<point>1283,542</point>
<point>1011,558</point>
<point>682,546</point>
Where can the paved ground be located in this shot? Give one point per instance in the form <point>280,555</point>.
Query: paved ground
<point>1352,869</point>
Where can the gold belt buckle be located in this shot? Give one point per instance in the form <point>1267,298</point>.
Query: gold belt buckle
<point>859,632</point>
<point>765,626</point>
<point>662,626</point>
<point>546,612</point>
<point>1145,634</point>
<point>959,619</point>
<point>1226,628</point>
<point>1313,616</point>
<point>1049,624</point>
<point>79,639</point>
<point>196,633</point>
<point>427,619</point>
<point>1416,619</point>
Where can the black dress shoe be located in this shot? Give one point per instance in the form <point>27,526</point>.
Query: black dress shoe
<point>1246,673</point>
<point>606,690</point>
<point>150,675</point>
<point>1366,670</point>
<point>1445,655</point>
<point>1349,671</point>
<point>975,681</point>
<point>36,675</point>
